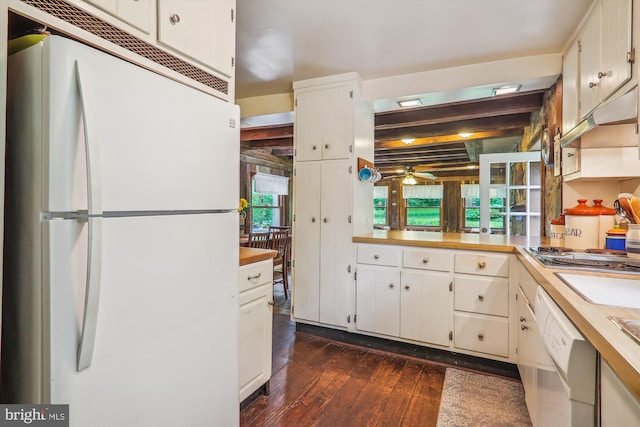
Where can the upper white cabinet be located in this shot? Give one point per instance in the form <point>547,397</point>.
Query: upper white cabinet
<point>570,83</point>
<point>202,30</point>
<point>604,45</point>
<point>324,122</point>
<point>137,13</point>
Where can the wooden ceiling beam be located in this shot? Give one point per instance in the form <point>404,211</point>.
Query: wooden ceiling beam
<point>259,133</point>
<point>442,139</point>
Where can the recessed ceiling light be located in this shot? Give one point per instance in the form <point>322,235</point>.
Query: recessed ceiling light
<point>465,134</point>
<point>410,102</point>
<point>408,140</point>
<point>505,89</point>
<point>471,166</point>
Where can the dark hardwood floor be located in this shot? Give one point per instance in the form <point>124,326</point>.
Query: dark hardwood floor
<point>319,382</point>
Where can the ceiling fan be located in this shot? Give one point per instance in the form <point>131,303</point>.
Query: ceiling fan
<point>410,176</point>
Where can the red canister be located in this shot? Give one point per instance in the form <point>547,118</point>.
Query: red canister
<point>557,231</point>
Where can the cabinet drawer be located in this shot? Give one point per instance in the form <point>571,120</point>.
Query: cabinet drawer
<point>483,264</point>
<point>427,260</point>
<point>378,255</point>
<point>484,334</point>
<point>486,295</point>
<point>255,274</point>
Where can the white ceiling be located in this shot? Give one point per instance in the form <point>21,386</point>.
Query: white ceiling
<point>282,41</point>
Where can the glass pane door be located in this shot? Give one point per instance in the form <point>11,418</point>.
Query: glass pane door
<point>510,193</point>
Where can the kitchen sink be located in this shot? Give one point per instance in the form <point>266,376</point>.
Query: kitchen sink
<point>605,290</point>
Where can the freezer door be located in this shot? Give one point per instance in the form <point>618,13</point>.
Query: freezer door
<point>155,144</point>
<point>166,345</point>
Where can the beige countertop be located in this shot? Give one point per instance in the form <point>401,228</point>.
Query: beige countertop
<point>251,255</point>
<point>614,345</point>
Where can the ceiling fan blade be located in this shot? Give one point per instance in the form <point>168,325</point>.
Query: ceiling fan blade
<point>426,175</point>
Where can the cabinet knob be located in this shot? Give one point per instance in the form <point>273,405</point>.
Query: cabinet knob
<point>391,285</point>
<point>313,147</point>
<point>482,265</point>
<point>592,85</point>
<point>481,337</point>
<point>326,146</point>
<point>480,297</point>
<point>376,257</point>
<point>425,260</point>
<point>569,154</point>
<point>522,319</point>
<point>313,219</point>
<point>325,220</point>
<point>524,327</point>
<point>270,303</point>
<point>406,287</point>
<point>254,277</point>
<point>174,19</point>
<point>601,74</point>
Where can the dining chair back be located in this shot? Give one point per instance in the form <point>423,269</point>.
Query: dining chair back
<point>259,240</point>
<point>280,244</point>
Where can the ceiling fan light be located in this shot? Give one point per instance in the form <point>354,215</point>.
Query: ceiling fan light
<point>410,102</point>
<point>408,140</point>
<point>409,180</point>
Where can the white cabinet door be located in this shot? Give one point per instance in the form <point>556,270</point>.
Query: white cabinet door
<point>616,44</point>
<point>570,82</point>
<point>618,407</point>
<point>306,248</point>
<point>254,334</point>
<point>202,30</point>
<point>334,242</point>
<point>378,300</point>
<point>590,62</point>
<point>425,307</point>
<point>324,123</point>
<point>139,13</point>
<point>528,345</point>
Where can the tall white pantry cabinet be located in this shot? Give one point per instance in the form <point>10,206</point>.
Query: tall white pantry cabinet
<point>333,127</point>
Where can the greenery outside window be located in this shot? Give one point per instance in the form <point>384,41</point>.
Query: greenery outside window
<point>267,199</point>
<point>380,205</point>
<point>471,208</point>
<point>423,206</point>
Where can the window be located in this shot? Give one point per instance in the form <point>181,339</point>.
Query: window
<point>423,206</point>
<point>380,198</point>
<point>268,193</point>
<point>471,208</point>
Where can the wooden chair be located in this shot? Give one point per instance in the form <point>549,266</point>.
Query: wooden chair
<point>280,244</point>
<point>259,240</point>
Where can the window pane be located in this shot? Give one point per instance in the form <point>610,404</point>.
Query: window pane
<point>518,200</point>
<point>518,225</point>
<point>518,175</point>
<point>380,216</point>
<point>425,217</point>
<point>497,173</point>
<point>262,218</point>
<point>535,172</point>
<point>497,219</point>
<point>535,201</point>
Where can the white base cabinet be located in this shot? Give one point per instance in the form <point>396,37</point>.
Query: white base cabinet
<point>255,326</point>
<point>618,407</point>
<point>460,300</point>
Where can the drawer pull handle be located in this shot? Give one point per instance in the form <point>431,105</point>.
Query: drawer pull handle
<point>601,74</point>
<point>326,146</point>
<point>480,297</point>
<point>481,337</point>
<point>391,285</point>
<point>406,287</point>
<point>482,265</point>
<point>254,277</point>
<point>524,327</point>
<point>592,85</point>
<point>522,319</point>
<point>376,257</point>
<point>425,260</point>
<point>174,19</point>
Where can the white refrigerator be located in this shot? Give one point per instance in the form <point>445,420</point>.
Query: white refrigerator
<point>121,250</point>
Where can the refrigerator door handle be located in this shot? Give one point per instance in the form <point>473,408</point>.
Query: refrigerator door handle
<point>94,251</point>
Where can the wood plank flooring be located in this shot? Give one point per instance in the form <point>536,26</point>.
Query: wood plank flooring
<point>318,382</point>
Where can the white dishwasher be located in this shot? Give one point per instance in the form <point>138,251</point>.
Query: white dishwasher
<point>567,388</point>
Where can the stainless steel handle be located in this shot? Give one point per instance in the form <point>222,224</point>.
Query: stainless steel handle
<point>254,277</point>
<point>94,249</point>
<point>425,260</point>
<point>174,19</point>
<point>524,327</point>
<point>480,297</point>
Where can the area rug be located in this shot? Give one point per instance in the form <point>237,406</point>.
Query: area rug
<point>470,399</point>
